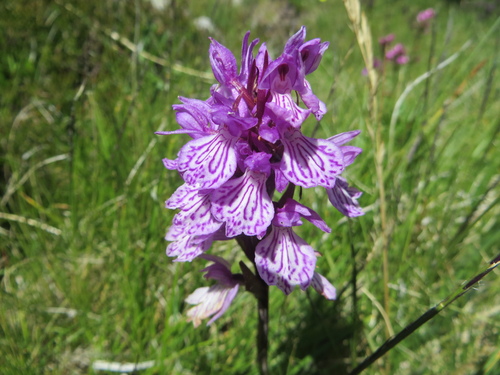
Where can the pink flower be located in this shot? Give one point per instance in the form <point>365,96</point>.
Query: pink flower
<point>403,59</point>
<point>386,39</point>
<point>398,54</point>
<point>426,15</point>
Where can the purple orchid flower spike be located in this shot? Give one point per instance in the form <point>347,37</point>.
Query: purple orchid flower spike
<point>215,300</point>
<point>247,143</point>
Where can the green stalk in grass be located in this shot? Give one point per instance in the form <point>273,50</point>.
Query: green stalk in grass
<point>424,318</point>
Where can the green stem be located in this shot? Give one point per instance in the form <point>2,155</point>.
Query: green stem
<point>428,315</point>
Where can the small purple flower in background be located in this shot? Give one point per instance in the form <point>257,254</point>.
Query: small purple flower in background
<point>377,63</point>
<point>388,39</point>
<point>247,143</point>
<point>426,15</point>
<point>397,54</point>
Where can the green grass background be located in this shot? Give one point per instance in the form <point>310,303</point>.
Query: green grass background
<point>83,272</point>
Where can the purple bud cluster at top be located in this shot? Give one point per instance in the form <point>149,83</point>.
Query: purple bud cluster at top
<point>248,143</point>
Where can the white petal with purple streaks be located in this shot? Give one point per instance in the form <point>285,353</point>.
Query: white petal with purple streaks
<point>345,198</point>
<point>285,260</point>
<point>188,248</point>
<point>195,218</point>
<point>323,286</point>
<point>244,205</point>
<point>208,162</point>
<point>310,162</point>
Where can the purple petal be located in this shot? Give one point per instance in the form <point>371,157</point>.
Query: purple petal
<point>311,54</point>
<point>323,286</point>
<point>259,162</point>
<point>311,101</point>
<point>285,260</point>
<point>188,248</point>
<point>193,115</point>
<point>210,301</point>
<point>219,271</point>
<point>231,293</point>
<point>208,162</point>
<point>246,57</point>
<point>310,162</point>
<point>284,107</point>
<point>223,62</point>
<point>181,196</point>
<point>291,206</point>
<point>195,218</point>
<point>280,180</point>
<point>295,41</point>
<point>342,138</point>
<point>244,205</point>
<point>170,164</point>
<point>283,75</point>
<point>344,198</point>
<point>350,154</point>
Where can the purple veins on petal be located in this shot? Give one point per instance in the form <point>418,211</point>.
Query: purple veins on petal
<point>284,107</point>
<point>244,205</point>
<point>223,62</point>
<point>285,260</point>
<point>342,138</point>
<point>291,212</point>
<point>188,247</point>
<point>216,299</point>
<point>208,301</point>
<point>182,196</point>
<point>350,154</point>
<point>310,162</point>
<point>323,286</point>
<point>170,164</point>
<point>195,218</point>
<point>193,115</point>
<point>345,198</point>
<point>208,162</point>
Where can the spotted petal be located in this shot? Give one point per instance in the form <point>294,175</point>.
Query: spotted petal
<point>244,205</point>
<point>310,162</point>
<point>189,247</point>
<point>208,162</point>
<point>195,218</point>
<point>345,198</point>
<point>285,260</point>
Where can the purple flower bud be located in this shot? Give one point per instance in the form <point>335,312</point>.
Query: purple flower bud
<point>386,39</point>
<point>223,62</point>
<point>323,286</point>
<point>426,15</point>
<point>402,59</point>
<point>396,51</point>
<point>215,300</point>
<point>311,54</point>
